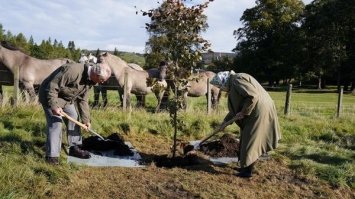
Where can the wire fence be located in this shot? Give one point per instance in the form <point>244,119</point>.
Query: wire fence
<point>303,103</point>
<point>326,104</point>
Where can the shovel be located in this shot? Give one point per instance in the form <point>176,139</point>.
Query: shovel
<point>106,141</point>
<point>82,125</point>
<point>196,146</point>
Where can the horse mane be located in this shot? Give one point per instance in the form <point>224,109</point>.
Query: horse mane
<point>117,60</point>
<point>10,46</point>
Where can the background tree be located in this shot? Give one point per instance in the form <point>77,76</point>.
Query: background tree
<point>175,36</point>
<point>46,50</point>
<point>330,30</point>
<point>268,39</point>
<point>115,52</point>
<point>2,31</point>
<point>223,63</point>
<point>97,52</point>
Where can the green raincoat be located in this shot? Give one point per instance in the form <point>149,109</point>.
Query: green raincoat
<point>259,129</point>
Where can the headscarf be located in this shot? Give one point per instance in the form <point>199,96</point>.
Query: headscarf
<point>221,79</point>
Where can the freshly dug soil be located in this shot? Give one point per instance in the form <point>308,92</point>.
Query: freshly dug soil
<point>227,146</point>
<point>113,142</point>
<point>178,161</point>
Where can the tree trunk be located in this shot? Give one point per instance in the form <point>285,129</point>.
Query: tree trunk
<point>319,82</point>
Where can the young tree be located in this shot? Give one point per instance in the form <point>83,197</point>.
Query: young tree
<point>175,36</point>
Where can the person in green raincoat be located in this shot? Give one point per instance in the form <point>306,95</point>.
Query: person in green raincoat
<point>254,112</point>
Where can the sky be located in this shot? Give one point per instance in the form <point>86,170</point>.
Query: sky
<point>110,24</point>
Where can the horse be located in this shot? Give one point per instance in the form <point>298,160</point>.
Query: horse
<point>83,59</point>
<point>92,58</point>
<point>110,84</point>
<point>197,86</point>
<point>32,71</point>
<point>137,80</point>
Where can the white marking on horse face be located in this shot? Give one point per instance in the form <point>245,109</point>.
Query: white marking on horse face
<point>92,58</point>
<point>83,59</point>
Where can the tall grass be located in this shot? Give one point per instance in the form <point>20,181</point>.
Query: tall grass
<point>315,143</point>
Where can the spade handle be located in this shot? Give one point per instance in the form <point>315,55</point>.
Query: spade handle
<point>81,125</point>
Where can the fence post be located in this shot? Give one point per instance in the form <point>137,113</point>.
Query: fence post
<point>288,98</point>
<point>16,85</point>
<point>208,96</point>
<point>340,102</point>
<point>125,91</point>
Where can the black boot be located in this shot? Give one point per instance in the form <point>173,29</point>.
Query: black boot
<point>246,172</point>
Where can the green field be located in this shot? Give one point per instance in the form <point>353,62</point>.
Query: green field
<point>315,158</point>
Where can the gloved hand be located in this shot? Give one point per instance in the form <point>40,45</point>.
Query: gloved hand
<point>239,116</point>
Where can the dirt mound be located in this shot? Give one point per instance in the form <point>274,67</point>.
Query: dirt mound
<point>227,146</point>
<point>113,142</point>
<point>178,161</point>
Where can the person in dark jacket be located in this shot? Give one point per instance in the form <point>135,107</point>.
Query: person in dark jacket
<point>66,90</point>
<point>255,113</point>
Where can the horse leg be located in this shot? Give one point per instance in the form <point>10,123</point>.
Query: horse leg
<point>128,98</point>
<point>128,101</point>
<point>104,95</point>
<point>165,99</point>
<point>140,101</point>
<point>96,95</point>
<point>159,97</point>
<point>218,97</point>
<point>184,105</point>
<point>28,87</point>
<point>120,95</point>
<point>1,94</point>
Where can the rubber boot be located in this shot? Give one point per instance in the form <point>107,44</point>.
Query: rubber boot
<point>246,172</point>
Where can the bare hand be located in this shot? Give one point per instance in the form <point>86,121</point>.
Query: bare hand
<point>88,125</point>
<point>57,111</point>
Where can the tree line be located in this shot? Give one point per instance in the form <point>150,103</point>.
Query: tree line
<point>286,40</point>
<point>47,49</point>
<point>279,41</point>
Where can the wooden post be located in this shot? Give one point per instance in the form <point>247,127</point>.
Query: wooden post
<point>208,96</point>
<point>16,85</point>
<point>175,121</point>
<point>125,91</point>
<point>288,98</point>
<point>340,103</point>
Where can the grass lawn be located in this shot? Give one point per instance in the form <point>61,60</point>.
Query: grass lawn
<point>315,158</point>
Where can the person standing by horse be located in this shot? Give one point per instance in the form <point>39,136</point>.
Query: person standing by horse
<point>66,89</point>
<point>255,114</point>
<point>99,88</point>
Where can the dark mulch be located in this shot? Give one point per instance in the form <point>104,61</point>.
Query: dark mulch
<point>113,142</point>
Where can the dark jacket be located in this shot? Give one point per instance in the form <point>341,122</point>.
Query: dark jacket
<point>68,84</point>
